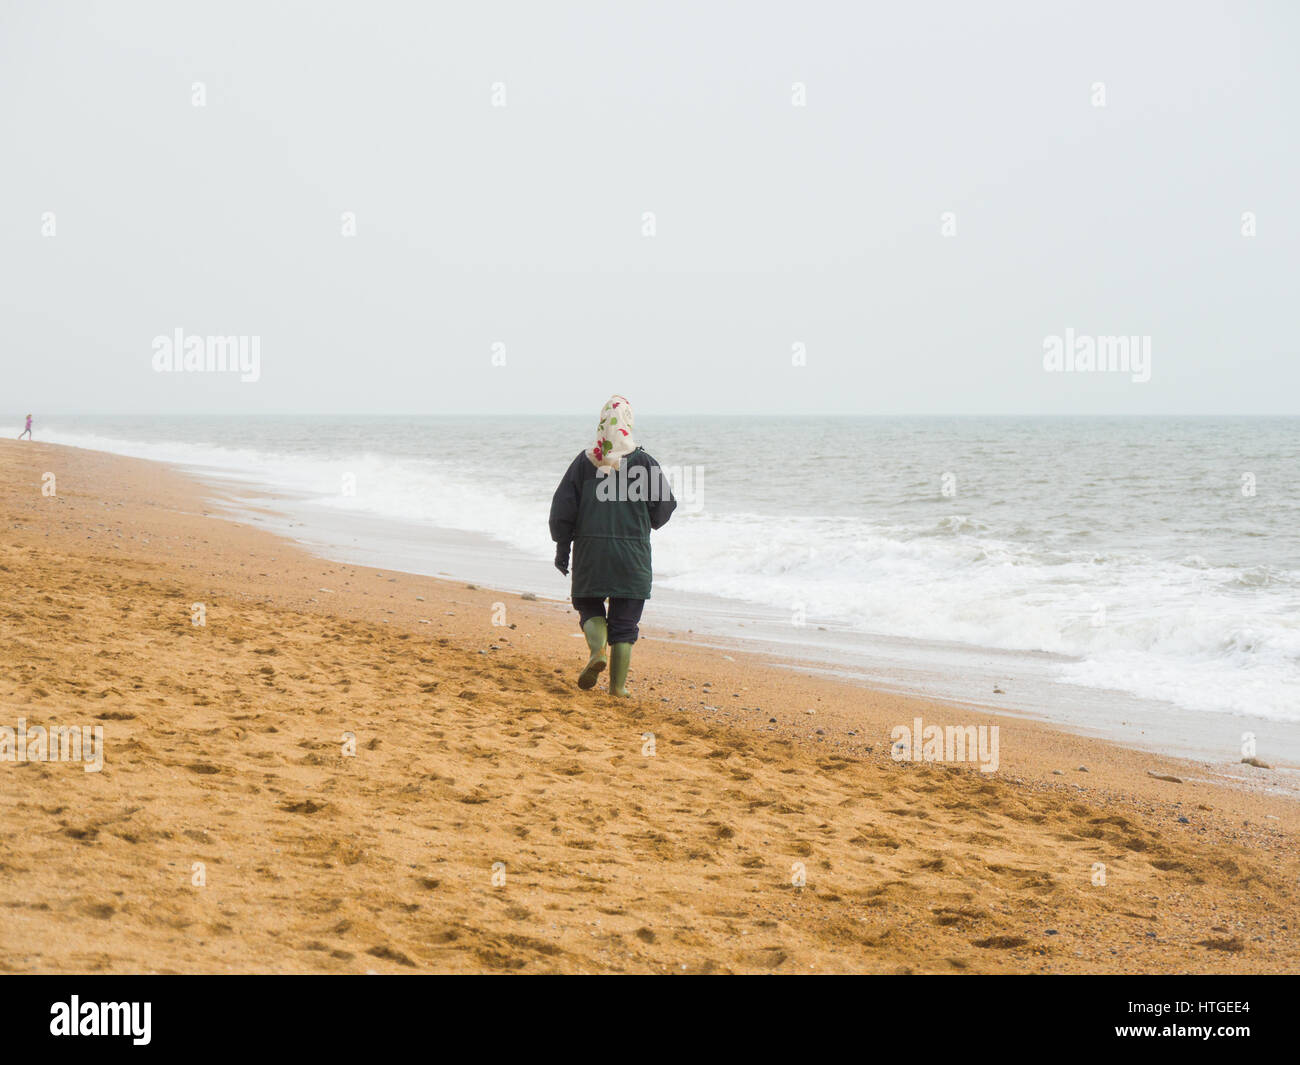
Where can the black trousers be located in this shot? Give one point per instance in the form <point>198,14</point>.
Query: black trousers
<point>622,620</point>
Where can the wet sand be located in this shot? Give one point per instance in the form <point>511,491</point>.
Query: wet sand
<point>493,818</point>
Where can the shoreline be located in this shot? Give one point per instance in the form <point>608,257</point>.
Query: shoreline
<point>1151,710</point>
<point>898,666</point>
<point>517,762</point>
<point>954,674</point>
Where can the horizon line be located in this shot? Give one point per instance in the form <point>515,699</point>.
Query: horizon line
<point>497,413</point>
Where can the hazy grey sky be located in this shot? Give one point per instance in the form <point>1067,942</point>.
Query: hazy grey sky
<point>775,224</point>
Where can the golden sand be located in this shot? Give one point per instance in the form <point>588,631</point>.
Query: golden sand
<point>495,819</point>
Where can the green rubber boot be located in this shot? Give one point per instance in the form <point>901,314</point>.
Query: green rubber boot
<point>595,632</point>
<point>620,657</point>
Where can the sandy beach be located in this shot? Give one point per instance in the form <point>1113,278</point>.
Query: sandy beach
<point>733,816</point>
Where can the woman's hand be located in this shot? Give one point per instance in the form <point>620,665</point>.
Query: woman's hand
<point>562,557</point>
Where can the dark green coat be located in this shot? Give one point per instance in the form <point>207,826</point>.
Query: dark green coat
<point>608,519</point>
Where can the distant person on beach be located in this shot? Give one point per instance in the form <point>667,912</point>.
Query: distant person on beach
<point>28,431</point>
<point>609,499</point>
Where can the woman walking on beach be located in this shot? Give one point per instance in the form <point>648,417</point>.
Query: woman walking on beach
<point>28,431</point>
<point>609,499</point>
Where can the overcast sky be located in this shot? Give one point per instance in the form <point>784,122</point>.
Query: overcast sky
<point>775,224</point>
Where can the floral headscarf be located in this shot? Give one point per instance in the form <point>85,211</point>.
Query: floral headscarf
<point>614,435</point>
